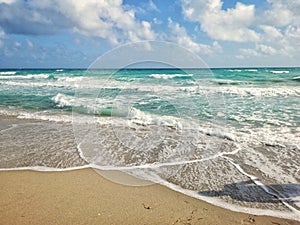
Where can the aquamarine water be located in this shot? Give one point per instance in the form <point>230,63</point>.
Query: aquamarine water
<point>228,136</point>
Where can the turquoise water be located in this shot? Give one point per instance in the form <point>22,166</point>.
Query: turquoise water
<point>200,130</point>
<point>268,95</point>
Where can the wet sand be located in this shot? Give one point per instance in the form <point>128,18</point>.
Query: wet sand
<point>85,197</point>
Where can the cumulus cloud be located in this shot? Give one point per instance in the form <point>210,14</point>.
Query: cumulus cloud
<point>226,25</point>
<point>108,19</point>
<point>281,25</point>
<point>274,30</point>
<point>282,13</point>
<point>180,36</point>
<point>271,33</point>
<point>260,50</point>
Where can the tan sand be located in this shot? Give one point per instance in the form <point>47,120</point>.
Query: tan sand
<point>84,197</point>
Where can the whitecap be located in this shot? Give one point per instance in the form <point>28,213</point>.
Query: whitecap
<point>279,71</point>
<point>169,76</point>
<point>8,72</point>
<point>28,76</point>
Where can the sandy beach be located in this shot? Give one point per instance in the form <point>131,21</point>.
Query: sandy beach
<point>148,112</point>
<point>85,197</point>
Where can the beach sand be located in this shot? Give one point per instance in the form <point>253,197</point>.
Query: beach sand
<point>85,197</point>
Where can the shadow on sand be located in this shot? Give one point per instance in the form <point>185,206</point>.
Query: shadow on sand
<point>247,191</point>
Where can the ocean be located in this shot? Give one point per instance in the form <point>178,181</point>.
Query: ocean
<point>227,136</point>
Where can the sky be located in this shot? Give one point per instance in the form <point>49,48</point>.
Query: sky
<point>224,33</point>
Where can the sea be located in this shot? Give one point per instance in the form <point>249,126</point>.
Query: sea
<point>228,136</point>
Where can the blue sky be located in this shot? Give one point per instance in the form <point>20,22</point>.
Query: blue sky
<point>72,33</point>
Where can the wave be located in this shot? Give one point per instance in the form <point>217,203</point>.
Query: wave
<point>296,78</point>
<point>28,76</point>
<point>107,108</point>
<point>70,79</point>
<point>235,70</point>
<point>8,73</point>
<point>251,70</point>
<point>90,104</point>
<point>170,76</point>
<point>230,82</point>
<point>63,100</point>
<point>241,70</point>
<point>279,71</point>
<point>32,84</point>
<point>244,91</point>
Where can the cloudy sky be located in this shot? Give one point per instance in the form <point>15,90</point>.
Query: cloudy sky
<point>224,33</point>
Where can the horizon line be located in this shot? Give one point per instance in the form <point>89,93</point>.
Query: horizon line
<point>150,68</point>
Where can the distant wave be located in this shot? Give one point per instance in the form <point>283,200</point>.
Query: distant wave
<point>29,76</point>
<point>279,71</point>
<point>235,70</point>
<point>230,82</point>
<point>70,79</point>
<point>170,76</point>
<point>8,73</point>
<point>241,70</point>
<point>245,91</point>
<point>296,78</point>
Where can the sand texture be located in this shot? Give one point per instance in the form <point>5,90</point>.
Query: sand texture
<point>84,197</point>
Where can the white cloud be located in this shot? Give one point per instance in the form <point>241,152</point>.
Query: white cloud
<point>107,19</point>
<point>282,13</point>
<point>157,21</point>
<point>226,25</point>
<point>266,50</point>
<point>180,36</point>
<point>153,7</point>
<point>18,44</point>
<point>7,1</point>
<point>260,50</point>
<point>271,33</point>
<point>29,43</point>
<point>275,29</point>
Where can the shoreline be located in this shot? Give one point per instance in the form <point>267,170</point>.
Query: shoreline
<point>40,172</point>
<point>84,197</point>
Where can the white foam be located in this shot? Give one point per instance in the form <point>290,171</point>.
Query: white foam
<point>279,71</point>
<point>245,91</point>
<point>133,115</point>
<point>140,117</point>
<point>45,116</point>
<point>8,73</point>
<point>169,76</point>
<point>27,76</point>
<point>70,79</point>
<point>90,104</point>
<point>63,100</point>
<point>235,70</point>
